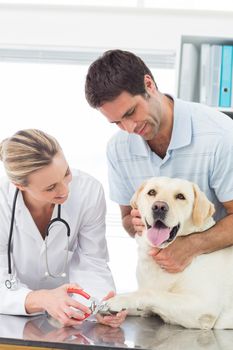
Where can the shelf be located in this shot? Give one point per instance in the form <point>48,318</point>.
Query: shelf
<point>193,59</point>
<point>198,40</point>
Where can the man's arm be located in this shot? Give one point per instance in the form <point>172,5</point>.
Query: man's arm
<point>218,236</point>
<point>131,220</point>
<point>177,256</point>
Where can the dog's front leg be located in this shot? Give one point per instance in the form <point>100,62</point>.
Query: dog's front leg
<point>188,311</point>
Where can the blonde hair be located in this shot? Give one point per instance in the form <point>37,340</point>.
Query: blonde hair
<point>26,151</point>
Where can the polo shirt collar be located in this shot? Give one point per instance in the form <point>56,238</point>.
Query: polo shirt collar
<point>182,125</point>
<point>181,132</point>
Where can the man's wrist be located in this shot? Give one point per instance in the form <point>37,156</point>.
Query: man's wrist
<point>196,243</point>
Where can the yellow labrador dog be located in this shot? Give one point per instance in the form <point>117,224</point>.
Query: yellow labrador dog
<point>202,295</point>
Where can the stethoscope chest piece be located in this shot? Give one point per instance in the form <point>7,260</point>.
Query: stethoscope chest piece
<point>11,283</point>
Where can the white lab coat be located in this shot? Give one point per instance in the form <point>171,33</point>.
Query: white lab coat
<point>84,210</point>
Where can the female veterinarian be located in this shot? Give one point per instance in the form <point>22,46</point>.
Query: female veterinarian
<point>52,232</point>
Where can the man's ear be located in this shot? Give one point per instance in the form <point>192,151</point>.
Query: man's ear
<point>134,199</point>
<point>202,207</point>
<point>150,85</point>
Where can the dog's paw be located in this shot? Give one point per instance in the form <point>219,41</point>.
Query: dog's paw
<point>118,303</point>
<point>207,321</point>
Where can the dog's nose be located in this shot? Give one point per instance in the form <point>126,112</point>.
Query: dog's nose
<point>160,209</point>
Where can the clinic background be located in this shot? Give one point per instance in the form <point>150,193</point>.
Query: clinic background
<point>46,47</point>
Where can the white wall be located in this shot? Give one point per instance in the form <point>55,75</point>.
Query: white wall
<point>71,26</point>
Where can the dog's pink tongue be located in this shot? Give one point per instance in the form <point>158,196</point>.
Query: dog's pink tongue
<point>158,235</point>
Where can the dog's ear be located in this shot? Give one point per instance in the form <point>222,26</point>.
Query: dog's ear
<point>134,199</point>
<point>202,208</point>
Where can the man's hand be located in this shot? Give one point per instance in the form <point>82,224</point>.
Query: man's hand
<point>131,220</point>
<point>176,257</point>
<point>137,221</point>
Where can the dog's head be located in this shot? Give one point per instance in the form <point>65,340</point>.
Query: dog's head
<point>172,207</point>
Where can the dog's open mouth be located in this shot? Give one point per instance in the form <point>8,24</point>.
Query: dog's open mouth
<point>160,233</point>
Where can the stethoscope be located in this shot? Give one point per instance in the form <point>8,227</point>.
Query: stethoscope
<point>12,282</point>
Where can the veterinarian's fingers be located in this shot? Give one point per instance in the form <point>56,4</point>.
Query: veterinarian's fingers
<point>122,315</point>
<point>102,319</point>
<point>109,295</point>
<point>112,320</point>
<point>78,305</point>
<point>66,321</point>
<point>116,320</point>
<point>73,313</point>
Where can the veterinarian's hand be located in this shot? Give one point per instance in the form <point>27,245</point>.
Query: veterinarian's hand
<point>176,257</point>
<point>59,304</point>
<point>104,334</point>
<point>137,221</point>
<point>33,332</point>
<point>112,320</point>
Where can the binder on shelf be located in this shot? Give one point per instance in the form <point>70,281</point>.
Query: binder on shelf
<point>226,77</point>
<point>204,73</point>
<point>188,90</point>
<point>213,93</point>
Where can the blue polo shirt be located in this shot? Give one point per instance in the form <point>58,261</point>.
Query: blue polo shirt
<point>200,150</point>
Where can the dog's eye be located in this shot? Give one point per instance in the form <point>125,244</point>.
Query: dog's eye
<point>180,196</point>
<point>152,193</point>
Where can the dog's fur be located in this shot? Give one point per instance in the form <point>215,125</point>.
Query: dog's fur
<point>202,295</point>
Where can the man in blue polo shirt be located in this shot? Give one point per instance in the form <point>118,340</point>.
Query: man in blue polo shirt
<point>163,136</point>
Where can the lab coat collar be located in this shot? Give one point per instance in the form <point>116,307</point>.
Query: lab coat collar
<point>26,223</point>
<point>23,219</point>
